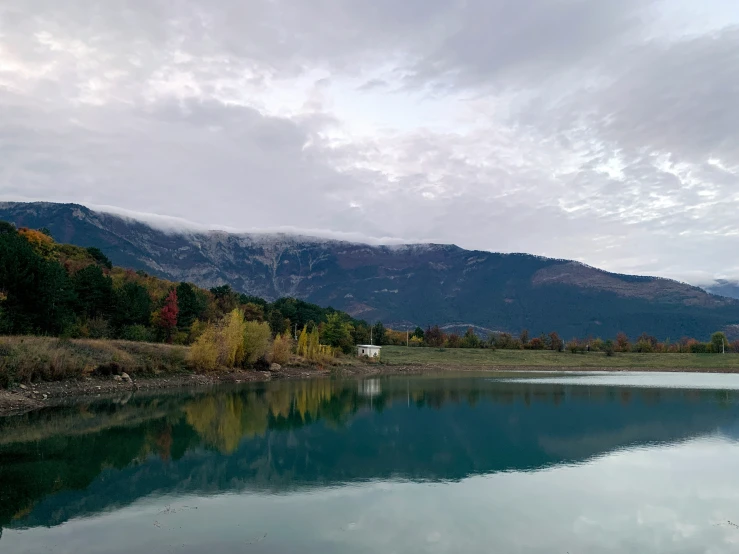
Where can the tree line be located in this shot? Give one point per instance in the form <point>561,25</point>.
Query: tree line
<point>435,337</point>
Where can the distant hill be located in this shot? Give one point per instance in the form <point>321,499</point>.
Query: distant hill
<point>411,285</point>
<point>724,287</point>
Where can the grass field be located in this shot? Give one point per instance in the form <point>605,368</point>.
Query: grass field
<point>481,359</point>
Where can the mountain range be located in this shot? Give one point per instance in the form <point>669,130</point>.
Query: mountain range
<point>403,286</point>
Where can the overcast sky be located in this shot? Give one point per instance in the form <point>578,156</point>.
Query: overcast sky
<point>600,130</point>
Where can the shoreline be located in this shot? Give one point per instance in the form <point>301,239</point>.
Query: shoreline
<point>27,398</point>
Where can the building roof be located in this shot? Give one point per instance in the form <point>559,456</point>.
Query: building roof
<point>368,346</point>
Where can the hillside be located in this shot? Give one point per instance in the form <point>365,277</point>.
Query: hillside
<point>400,285</point>
<point>724,287</point>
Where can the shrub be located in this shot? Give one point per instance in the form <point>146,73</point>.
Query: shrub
<point>136,333</point>
<point>204,351</point>
<point>608,347</point>
<point>256,338</point>
<point>281,349</point>
<point>574,346</point>
<point>536,344</point>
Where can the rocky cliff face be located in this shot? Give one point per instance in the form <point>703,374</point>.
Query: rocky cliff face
<point>401,285</point>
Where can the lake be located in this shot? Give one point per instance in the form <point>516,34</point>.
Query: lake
<point>477,463</point>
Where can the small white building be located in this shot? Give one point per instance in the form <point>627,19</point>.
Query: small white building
<point>370,350</point>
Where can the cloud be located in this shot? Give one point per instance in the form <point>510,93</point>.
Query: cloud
<point>599,131</point>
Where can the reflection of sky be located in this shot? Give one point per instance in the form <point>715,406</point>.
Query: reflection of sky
<point>658,499</point>
<point>662,380</point>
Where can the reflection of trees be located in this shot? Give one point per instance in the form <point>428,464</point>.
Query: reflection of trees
<point>223,420</point>
<point>67,449</point>
<point>217,421</point>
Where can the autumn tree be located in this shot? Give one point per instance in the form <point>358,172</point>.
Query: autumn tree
<point>302,348</point>
<point>42,243</point>
<point>257,336</point>
<point>453,341</point>
<point>281,349</point>
<point>555,343</point>
<point>253,312</point>
<point>434,336</point>
<point>622,343</point>
<point>536,344</point>
<point>166,317</point>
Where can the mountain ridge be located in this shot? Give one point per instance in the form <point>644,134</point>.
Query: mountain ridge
<point>401,284</point>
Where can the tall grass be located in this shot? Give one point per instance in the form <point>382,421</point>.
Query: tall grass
<point>31,359</point>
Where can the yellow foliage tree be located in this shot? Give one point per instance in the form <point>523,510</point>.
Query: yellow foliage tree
<point>256,338</point>
<point>303,342</point>
<point>281,349</point>
<point>232,342</point>
<point>314,344</point>
<point>221,344</point>
<point>204,351</point>
<point>41,243</point>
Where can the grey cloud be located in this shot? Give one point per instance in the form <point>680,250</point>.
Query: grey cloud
<point>175,108</point>
<point>373,84</point>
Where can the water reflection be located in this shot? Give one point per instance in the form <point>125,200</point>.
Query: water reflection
<point>298,437</point>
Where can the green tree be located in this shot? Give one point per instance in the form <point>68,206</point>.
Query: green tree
<point>277,323</point>
<point>718,342</point>
<point>94,292</point>
<point>378,334</point>
<point>189,305</point>
<point>337,332</point>
<point>470,339</point>
<point>418,333</point>
<point>36,295</point>
<point>132,306</point>
<point>361,334</point>
<point>226,299</point>
<point>98,256</point>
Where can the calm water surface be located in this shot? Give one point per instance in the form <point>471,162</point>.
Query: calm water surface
<point>520,463</point>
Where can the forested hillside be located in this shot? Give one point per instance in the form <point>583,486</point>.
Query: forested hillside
<point>404,286</point>
<point>48,288</point>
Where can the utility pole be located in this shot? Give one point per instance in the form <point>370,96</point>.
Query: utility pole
<point>723,346</point>
<point>371,336</point>
<point>407,339</point>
